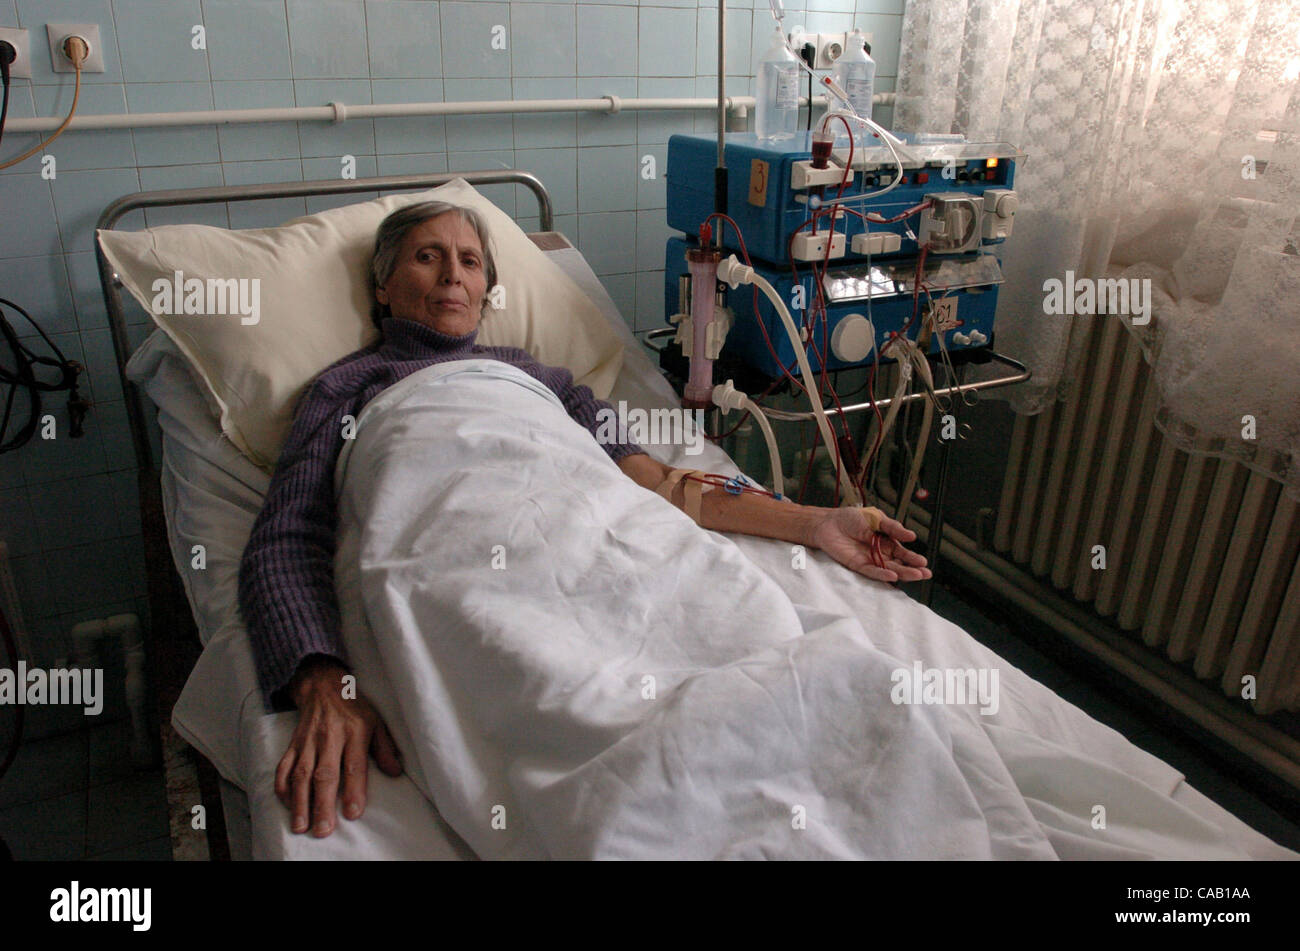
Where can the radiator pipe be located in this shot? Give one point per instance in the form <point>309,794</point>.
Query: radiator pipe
<point>1266,746</point>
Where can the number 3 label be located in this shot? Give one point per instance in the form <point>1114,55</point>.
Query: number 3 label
<point>758,182</point>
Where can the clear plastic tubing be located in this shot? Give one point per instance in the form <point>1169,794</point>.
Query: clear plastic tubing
<point>703,265</point>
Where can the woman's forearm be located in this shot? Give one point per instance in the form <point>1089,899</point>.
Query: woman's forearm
<point>286,579</point>
<point>721,511</point>
<point>864,540</point>
<point>287,597</point>
<point>759,515</point>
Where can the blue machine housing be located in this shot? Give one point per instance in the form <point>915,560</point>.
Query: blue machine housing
<point>763,201</point>
<point>889,307</point>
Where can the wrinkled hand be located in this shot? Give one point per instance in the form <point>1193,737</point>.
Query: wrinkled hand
<point>846,535</point>
<point>332,740</point>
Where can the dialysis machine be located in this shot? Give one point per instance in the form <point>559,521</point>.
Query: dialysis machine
<point>851,282</point>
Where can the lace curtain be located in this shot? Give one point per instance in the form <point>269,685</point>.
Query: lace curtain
<point>1163,143</point>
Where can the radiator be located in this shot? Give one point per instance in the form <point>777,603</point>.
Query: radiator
<point>1202,556</point>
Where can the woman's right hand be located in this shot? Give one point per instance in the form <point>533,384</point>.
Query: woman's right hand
<point>333,738</point>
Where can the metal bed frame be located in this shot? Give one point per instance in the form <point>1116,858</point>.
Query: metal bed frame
<point>172,643</point>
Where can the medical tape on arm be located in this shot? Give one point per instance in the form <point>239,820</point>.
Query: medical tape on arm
<point>694,491</point>
<point>874,516</point>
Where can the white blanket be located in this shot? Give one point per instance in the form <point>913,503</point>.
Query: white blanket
<point>572,668</point>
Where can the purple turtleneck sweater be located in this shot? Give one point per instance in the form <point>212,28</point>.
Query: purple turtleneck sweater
<point>286,579</point>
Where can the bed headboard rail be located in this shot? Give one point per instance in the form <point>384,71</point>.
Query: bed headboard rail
<point>205,196</point>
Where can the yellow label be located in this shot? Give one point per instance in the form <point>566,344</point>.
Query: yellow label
<point>758,170</point>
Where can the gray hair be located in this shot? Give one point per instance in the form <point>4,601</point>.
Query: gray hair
<point>392,231</point>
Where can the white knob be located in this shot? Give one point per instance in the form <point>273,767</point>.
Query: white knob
<point>1007,205</point>
<point>961,339</point>
<point>853,339</point>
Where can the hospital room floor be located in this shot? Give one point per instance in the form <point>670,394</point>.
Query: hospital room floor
<point>1103,701</point>
<point>77,796</point>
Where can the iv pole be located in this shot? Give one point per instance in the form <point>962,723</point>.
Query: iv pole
<point>720,171</point>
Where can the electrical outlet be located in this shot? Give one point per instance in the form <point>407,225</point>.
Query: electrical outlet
<point>830,46</point>
<point>58,32</point>
<point>21,68</point>
<point>827,47</point>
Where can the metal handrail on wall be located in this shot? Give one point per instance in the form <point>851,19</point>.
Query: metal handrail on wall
<point>337,112</point>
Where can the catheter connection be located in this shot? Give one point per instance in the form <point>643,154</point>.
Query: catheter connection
<point>728,397</point>
<point>733,273</point>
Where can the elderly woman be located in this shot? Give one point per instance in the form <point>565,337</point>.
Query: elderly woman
<point>431,272</point>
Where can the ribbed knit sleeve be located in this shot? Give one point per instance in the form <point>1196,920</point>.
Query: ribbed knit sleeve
<point>583,406</point>
<point>286,579</point>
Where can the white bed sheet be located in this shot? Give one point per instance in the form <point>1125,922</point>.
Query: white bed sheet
<point>212,495</point>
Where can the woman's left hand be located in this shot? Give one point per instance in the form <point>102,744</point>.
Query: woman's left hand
<point>845,534</point>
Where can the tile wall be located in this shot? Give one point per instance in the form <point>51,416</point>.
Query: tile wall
<point>68,507</point>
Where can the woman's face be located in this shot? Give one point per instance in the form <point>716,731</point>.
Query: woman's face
<point>440,280</point>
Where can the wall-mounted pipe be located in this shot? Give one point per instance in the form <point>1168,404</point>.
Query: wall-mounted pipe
<point>86,638</point>
<point>341,112</point>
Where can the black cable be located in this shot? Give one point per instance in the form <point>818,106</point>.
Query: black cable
<point>7,56</point>
<point>24,375</point>
<point>6,635</point>
<point>808,53</point>
<point>810,101</point>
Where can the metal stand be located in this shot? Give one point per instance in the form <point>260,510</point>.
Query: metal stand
<point>932,546</point>
<point>1022,373</point>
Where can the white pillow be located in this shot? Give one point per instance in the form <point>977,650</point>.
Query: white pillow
<point>287,302</point>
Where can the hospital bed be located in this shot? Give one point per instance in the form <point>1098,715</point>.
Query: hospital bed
<point>202,488</point>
